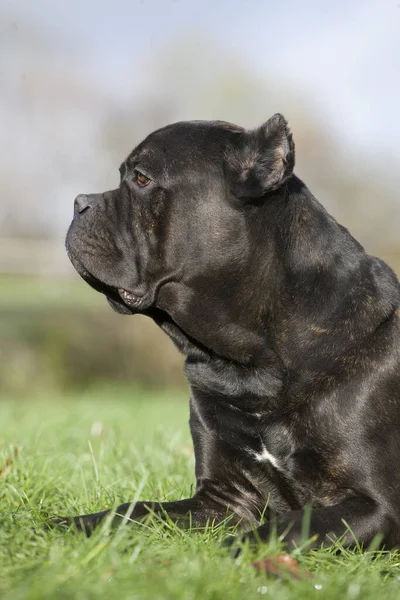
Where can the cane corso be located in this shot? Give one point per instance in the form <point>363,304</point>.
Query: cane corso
<point>290,330</point>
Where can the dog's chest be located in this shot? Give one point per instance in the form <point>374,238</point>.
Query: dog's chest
<point>291,466</point>
<point>288,461</point>
<point>274,449</point>
<point>298,468</point>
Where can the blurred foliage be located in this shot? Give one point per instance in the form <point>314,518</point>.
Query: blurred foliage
<point>71,130</point>
<point>65,342</point>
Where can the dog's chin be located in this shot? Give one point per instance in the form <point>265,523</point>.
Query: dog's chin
<point>118,299</point>
<point>119,306</point>
<point>113,296</point>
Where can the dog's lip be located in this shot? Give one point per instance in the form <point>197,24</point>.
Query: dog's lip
<point>131,299</point>
<point>109,291</point>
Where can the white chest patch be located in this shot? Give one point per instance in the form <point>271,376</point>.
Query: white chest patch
<point>265,456</point>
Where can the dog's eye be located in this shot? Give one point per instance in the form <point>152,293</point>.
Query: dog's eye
<point>141,179</point>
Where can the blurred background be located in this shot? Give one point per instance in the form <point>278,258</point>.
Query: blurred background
<point>81,82</point>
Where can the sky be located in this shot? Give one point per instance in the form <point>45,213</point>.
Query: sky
<point>341,58</point>
<point>346,53</point>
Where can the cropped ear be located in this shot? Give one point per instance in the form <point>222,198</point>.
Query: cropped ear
<point>261,160</point>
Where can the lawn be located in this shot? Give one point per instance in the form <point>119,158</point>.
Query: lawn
<point>84,453</point>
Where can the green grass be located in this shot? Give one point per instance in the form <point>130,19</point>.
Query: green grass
<point>83,454</point>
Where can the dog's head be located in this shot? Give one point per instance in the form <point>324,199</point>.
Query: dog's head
<point>179,233</point>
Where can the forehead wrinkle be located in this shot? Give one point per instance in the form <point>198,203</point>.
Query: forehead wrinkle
<point>179,146</point>
<point>140,154</point>
<point>151,159</point>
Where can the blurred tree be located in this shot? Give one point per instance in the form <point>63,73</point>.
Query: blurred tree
<point>65,133</point>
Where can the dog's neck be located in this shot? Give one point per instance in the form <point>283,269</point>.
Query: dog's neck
<point>317,293</point>
<point>329,293</point>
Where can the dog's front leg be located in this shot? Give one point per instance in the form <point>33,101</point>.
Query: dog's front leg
<point>356,520</point>
<point>195,512</point>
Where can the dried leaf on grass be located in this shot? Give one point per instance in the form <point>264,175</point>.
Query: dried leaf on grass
<point>282,565</point>
<point>6,467</point>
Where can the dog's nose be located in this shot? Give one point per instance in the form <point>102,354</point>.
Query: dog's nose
<point>81,203</point>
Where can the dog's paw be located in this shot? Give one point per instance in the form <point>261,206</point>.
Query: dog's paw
<point>234,544</point>
<point>65,524</point>
<point>83,524</point>
<point>250,539</point>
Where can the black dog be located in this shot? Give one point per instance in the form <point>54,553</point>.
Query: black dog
<point>291,331</point>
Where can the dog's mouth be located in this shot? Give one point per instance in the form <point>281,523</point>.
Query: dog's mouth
<point>117,304</point>
<point>126,302</point>
<point>130,299</point>
<point>121,300</point>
